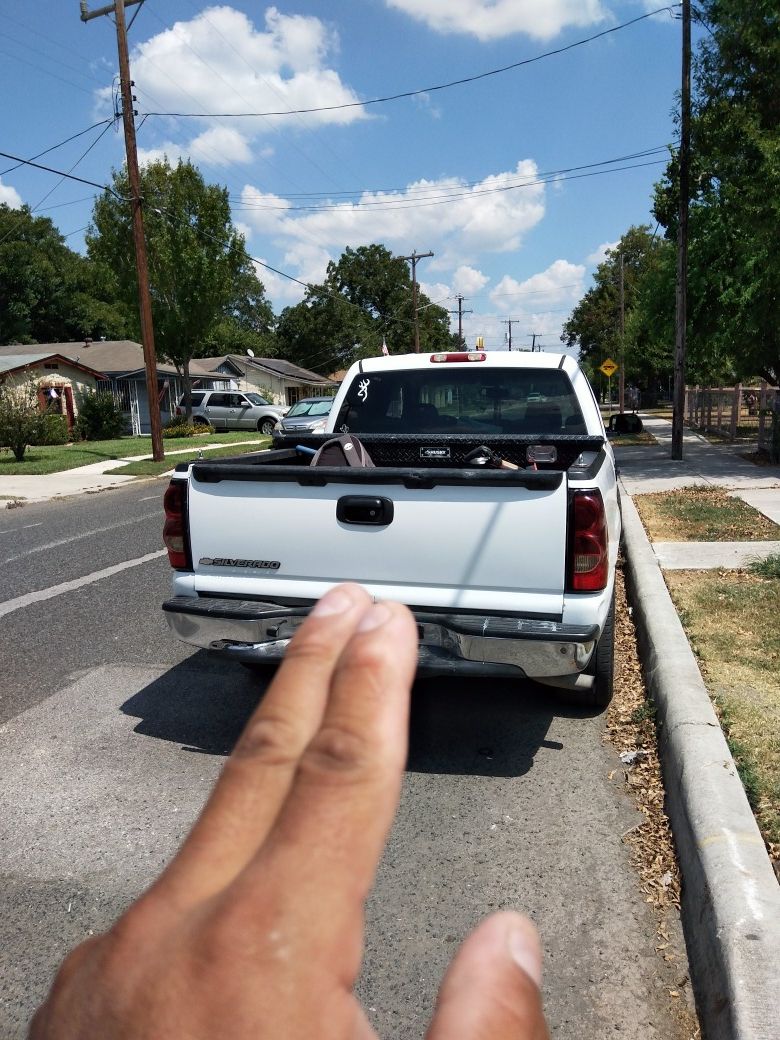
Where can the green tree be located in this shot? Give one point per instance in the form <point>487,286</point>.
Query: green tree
<point>48,292</point>
<point>594,325</point>
<point>198,266</point>
<point>366,298</point>
<point>247,323</point>
<point>734,279</point>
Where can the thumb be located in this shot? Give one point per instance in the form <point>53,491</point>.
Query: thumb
<point>491,989</point>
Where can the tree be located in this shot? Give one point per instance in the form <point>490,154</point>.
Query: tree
<point>21,420</point>
<point>48,292</point>
<point>594,324</point>
<point>366,299</point>
<point>198,266</point>
<point>247,323</point>
<point>734,270</point>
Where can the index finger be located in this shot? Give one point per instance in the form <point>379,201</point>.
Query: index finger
<point>329,835</point>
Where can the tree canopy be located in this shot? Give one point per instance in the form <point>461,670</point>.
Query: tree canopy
<point>203,285</point>
<point>48,292</point>
<point>734,264</point>
<point>365,299</point>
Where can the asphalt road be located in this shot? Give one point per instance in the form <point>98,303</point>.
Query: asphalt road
<point>111,734</point>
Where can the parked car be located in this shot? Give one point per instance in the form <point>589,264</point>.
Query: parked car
<point>233,410</point>
<point>308,415</point>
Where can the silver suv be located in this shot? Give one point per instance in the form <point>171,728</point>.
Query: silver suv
<point>233,410</point>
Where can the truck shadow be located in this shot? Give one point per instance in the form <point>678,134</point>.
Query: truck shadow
<point>477,727</point>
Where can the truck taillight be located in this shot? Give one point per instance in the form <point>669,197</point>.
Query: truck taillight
<point>588,567</point>
<point>174,529</point>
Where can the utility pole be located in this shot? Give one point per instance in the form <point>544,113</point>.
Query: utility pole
<point>509,321</point>
<point>460,312</point>
<point>414,258</point>
<point>681,295</point>
<point>622,369</point>
<point>533,336</point>
<point>139,240</point>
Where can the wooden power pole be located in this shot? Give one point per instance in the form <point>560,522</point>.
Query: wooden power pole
<point>414,258</point>
<point>460,312</point>
<point>139,240</point>
<point>681,294</point>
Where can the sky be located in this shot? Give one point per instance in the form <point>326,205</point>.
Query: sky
<point>517,180</point>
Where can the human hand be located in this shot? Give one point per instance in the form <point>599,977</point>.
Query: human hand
<point>255,929</point>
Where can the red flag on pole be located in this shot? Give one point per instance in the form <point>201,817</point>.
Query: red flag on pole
<point>384,346</point>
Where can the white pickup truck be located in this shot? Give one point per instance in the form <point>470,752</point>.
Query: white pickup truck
<point>491,509</point>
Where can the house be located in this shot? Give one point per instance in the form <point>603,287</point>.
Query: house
<point>280,382</point>
<point>121,366</point>
<point>62,383</point>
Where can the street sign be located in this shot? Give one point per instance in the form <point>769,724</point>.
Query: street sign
<point>608,367</point>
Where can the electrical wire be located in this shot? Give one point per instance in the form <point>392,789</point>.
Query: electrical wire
<point>54,147</point>
<point>60,173</point>
<point>421,90</point>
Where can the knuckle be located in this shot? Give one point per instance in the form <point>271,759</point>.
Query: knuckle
<point>269,739</point>
<point>338,752</point>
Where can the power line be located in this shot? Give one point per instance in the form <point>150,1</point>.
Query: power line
<point>468,184</point>
<point>54,147</point>
<point>421,90</point>
<point>404,203</point>
<point>60,173</point>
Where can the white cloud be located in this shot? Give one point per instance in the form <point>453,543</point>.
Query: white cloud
<point>220,62</point>
<point>493,19</point>
<point>561,283</point>
<point>10,196</point>
<point>468,280</point>
<point>489,216</point>
<point>599,255</point>
<point>221,146</point>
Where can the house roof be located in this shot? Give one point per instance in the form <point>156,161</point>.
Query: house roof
<point>13,362</point>
<point>277,367</point>
<point>121,357</point>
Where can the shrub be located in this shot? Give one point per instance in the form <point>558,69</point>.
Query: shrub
<point>53,430</point>
<point>100,419</point>
<point>179,427</point>
<point>20,417</point>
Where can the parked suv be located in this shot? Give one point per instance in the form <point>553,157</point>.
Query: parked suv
<point>233,410</point>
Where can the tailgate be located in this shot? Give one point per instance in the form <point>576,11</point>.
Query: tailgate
<point>489,541</point>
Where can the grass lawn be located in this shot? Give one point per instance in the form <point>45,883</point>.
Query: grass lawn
<point>731,622</point>
<point>621,440</point>
<point>148,468</point>
<point>703,514</point>
<point>55,458</point>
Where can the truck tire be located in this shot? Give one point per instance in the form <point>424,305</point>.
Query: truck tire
<point>266,426</point>
<point>602,665</point>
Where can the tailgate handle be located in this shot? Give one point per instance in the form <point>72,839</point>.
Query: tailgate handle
<point>364,509</point>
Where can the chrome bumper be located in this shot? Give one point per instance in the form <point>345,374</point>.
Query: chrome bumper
<point>449,643</point>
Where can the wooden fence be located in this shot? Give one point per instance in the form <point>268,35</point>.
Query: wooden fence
<point>738,413</point>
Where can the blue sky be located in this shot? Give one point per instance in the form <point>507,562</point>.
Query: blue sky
<point>458,171</point>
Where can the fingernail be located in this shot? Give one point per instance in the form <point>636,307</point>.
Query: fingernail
<point>525,952</point>
<point>335,601</point>
<point>376,615</point>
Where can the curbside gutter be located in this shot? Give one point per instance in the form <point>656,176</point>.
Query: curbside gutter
<point>731,898</point>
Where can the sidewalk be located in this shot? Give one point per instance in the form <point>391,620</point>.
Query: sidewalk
<point>646,469</point>
<point>731,899</point>
<point>85,479</point>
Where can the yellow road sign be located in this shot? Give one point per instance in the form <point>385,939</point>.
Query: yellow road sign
<point>608,367</point>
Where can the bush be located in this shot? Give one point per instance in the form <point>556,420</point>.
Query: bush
<point>179,427</point>
<point>100,419</point>
<point>53,430</point>
<point>20,417</point>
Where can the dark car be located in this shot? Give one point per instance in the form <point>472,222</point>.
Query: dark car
<point>308,415</point>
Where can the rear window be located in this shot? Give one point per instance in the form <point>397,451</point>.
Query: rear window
<point>197,398</point>
<point>449,400</point>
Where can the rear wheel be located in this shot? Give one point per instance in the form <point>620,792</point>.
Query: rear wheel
<point>266,427</point>
<point>602,665</point>
<point>198,420</point>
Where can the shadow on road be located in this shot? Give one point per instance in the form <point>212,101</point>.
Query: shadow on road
<point>489,727</point>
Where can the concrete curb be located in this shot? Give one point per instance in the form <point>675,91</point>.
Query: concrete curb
<point>731,898</point>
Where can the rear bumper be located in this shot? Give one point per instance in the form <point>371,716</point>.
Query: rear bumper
<point>253,631</point>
